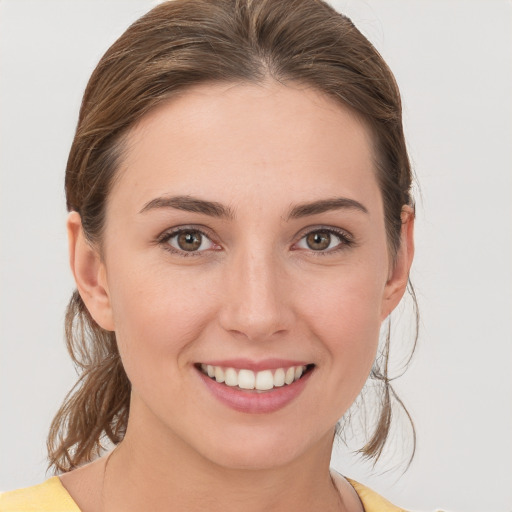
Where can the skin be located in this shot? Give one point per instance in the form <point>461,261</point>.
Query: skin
<point>256,289</point>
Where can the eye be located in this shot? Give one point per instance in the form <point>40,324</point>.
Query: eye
<point>186,240</point>
<point>324,240</point>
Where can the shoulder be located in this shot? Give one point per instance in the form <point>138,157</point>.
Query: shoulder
<point>50,496</point>
<point>373,502</point>
<point>370,500</point>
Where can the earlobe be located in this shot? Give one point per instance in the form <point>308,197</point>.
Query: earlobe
<point>399,276</point>
<point>89,273</point>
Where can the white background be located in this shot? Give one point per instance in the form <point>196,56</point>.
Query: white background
<point>453,63</point>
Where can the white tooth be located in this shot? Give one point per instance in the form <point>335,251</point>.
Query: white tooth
<point>290,375</point>
<point>264,380</point>
<point>230,377</point>
<point>211,370</point>
<point>298,372</point>
<point>246,379</point>
<point>219,374</point>
<point>203,368</point>
<point>279,378</point>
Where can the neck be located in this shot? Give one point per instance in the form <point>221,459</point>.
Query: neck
<point>162,473</point>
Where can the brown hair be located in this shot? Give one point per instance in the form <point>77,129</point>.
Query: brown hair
<point>174,46</point>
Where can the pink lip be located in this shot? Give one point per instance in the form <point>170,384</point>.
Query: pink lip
<point>256,366</point>
<point>251,401</point>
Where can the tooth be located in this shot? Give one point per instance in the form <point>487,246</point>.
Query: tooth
<point>264,380</point>
<point>230,377</point>
<point>211,370</point>
<point>246,379</point>
<point>298,372</point>
<point>290,375</point>
<point>279,378</point>
<point>219,374</point>
<point>203,368</point>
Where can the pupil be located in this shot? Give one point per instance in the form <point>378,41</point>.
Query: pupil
<point>189,241</point>
<point>318,240</point>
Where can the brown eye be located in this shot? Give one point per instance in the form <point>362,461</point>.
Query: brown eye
<point>325,241</point>
<point>189,240</point>
<point>318,240</point>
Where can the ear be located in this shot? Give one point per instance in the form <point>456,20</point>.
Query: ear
<point>399,274</point>
<point>89,273</point>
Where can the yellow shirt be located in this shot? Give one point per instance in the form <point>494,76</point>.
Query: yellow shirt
<point>51,496</point>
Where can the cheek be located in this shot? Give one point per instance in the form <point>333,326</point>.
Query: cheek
<point>345,314</point>
<point>157,315</point>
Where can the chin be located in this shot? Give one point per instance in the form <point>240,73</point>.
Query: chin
<point>264,448</point>
<point>242,458</point>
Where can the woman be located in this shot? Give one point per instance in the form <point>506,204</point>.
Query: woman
<point>240,226</point>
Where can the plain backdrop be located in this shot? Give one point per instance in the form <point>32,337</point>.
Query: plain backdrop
<point>452,60</point>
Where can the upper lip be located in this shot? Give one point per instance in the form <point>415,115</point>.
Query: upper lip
<point>255,366</point>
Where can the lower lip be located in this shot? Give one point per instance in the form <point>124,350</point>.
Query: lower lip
<point>254,402</point>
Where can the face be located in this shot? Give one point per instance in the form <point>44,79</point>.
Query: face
<point>244,248</point>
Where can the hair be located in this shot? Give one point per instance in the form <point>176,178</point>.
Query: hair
<point>176,45</point>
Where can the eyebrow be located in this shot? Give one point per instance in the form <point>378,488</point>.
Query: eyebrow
<point>190,204</point>
<point>215,209</point>
<point>325,205</point>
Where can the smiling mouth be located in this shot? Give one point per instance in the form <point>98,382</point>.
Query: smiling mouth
<point>248,380</point>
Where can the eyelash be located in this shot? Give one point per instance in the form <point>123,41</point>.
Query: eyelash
<point>346,240</point>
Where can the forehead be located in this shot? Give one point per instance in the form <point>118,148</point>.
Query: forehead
<point>246,140</point>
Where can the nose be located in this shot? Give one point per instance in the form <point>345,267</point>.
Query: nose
<point>256,303</point>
